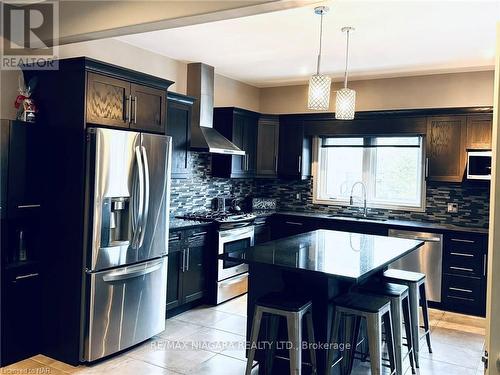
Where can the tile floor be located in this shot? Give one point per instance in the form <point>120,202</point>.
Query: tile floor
<point>214,339</point>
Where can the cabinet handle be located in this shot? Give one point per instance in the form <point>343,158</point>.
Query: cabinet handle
<point>461,269</point>
<point>460,290</point>
<point>128,106</point>
<point>293,223</point>
<point>463,255</point>
<point>28,276</point>
<point>300,164</point>
<point>275,164</point>
<point>462,240</point>
<point>426,167</point>
<point>199,234</point>
<point>484,265</point>
<point>135,109</point>
<point>183,259</point>
<point>28,206</point>
<point>187,260</point>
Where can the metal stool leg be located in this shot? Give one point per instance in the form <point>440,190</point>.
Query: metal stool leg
<point>390,340</point>
<point>408,323</point>
<point>425,313</point>
<point>334,334</point>
<point>254,336</point>
<point>374,329</point>
<point>274,322</point>
<point>354,342</point>
<point>396,329</point>
<point>295,337</point>
<point>312,341</point>
<point>413,295</point>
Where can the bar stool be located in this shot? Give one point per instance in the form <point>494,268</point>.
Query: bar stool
<point>400,303</point>
<point>376,310</point>
<point>415,281</point>
<point>294,310</point>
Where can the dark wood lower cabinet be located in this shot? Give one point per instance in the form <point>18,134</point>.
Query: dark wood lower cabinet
<point>188,267</point>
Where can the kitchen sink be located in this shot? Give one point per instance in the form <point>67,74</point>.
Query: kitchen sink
<point>356,217</point>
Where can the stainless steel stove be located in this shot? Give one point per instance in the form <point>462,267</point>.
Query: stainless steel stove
<point>235,231</point>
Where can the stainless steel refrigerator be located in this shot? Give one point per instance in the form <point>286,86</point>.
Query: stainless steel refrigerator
<point>125,275</point>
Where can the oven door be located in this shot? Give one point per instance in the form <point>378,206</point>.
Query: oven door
<point>230,241</point>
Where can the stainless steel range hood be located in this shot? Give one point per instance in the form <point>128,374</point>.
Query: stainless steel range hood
<point>204,138</point>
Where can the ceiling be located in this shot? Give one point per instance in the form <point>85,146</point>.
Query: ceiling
<point>392,38</point>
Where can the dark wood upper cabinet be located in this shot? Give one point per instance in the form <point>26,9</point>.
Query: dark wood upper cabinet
<point>446,139</point>
<point>149,107</point>
<point>108,100</point>
<point>240,127</point>
<point>294,156</point>
<point>267,146</point>
<point>479,128</point>
<point>179,128</point>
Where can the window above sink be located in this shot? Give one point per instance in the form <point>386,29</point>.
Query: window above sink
<point>392,168</point>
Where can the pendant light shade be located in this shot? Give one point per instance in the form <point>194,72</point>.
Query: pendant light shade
<point>319,92</point>
<point>345,105</point>
<point>319,84</point>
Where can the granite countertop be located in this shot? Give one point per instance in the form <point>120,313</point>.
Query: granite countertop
<point>176,223</point>
<point>393,223</point>
<point>344,255</point>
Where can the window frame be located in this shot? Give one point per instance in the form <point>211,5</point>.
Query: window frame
<point>316,167</point>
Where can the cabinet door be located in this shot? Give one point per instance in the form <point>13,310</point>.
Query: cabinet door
<point>262,233</point>
<point>267,147</point>
<point>446,148</point>
<point>238,162</point>
<point>174,285</point>
<point>194,277</point>
<point>148,108</point>
<point>21,315</point>
<point>250,145</point>
<point>108,101</point>
<point>291,136</point>
<point>179,128</point>
<point>479,129</point>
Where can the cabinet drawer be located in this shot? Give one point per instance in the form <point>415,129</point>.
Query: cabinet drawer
<point>465,256</point>
<point>174,242</point>
<point>197,237</point>
<point>464,294</point>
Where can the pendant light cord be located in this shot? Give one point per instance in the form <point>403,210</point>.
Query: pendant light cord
<point>346,58</point>
<point>320,42</point>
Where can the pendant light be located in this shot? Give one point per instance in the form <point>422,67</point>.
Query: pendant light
<point>345,105</point>
<point>319,84</point>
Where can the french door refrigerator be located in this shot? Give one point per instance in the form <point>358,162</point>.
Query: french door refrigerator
<point>125,275</point>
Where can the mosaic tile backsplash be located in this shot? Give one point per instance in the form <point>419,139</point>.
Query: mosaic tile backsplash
<point>197,192</point>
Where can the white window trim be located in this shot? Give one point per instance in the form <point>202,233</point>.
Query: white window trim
<point>316,144</point>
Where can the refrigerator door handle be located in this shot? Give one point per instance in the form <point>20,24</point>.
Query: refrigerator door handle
<point>140,209</point>
<point>146,195</point>
<point>131,272</point>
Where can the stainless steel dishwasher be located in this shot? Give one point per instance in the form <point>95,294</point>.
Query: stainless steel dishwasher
<point>427,259</point>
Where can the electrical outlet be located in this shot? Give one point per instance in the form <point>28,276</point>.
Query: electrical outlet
<point>452,208</point>
<point>297,196</point>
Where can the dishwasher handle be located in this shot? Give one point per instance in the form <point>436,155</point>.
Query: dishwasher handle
<point>414,237</point>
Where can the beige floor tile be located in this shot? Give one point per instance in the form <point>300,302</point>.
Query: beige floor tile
<point>202,316</point>
<point>178,329</point>
<point>172,355</point>
<point>214,340</point>
<point>458,338</point>
<point>435,317</point>
<point>129,366</point>
<point>56,364</point>
<point>235,324</point>
<point>455,355</point>
<point>467,320</point>
<point>221,365</point>
<point>429,367</point>
<point>27,364</point>
<point>236,306</point>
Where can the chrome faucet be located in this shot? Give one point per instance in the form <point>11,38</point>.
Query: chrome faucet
<point>351,199</point>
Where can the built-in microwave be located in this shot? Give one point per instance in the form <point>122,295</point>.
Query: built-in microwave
<point>479,164</point>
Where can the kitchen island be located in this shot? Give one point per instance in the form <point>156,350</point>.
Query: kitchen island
<point>321,265</point>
